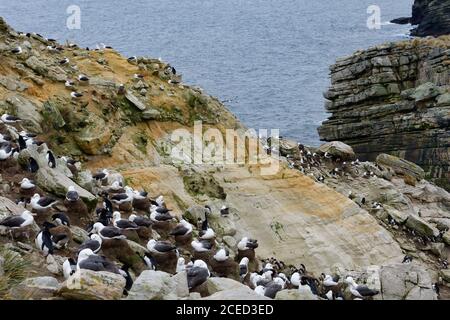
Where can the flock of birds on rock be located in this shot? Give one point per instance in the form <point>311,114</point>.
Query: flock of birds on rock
<point>173,243</point>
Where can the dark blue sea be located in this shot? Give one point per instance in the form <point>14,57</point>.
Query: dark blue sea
<point>267,59</point>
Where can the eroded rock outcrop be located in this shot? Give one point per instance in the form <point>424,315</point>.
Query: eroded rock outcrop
<point>431,17</point>
<point>395,99</point>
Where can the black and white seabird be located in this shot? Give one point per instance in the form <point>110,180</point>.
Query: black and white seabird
<point>197,274</point>
<point>140,221</point>
<point>101,176</point>
<point>360,291</point>
<point>224,211</point>
<point>33,166</point>
<point>123,223</point>
<point>206,233</point>
<point>69,268</point>
<point>87,259</point>
<point>83,78</point>
<point>61,219</point>
<point>18,221</point>
<point>103,216</point>
<point>44,242</point>
<point>76,95</point>
<point>41,203</point>
<point>181,230</point>
<point>246,248</point>
<point>243,268</point>
<point>201,246</point>
<point>51,159</point>
<point>69,84</point>
<point>6,118</point>
<point>17,50</point>
<point>72,195</point>
<point>6,152</point>
<point>64,61</point>
<point>94,243</point>
<point>60,235</point>
<point>328,281</point>
<point>160,246</point>
<point>107,232</point>
<point>221,255</point>
<point>407,259</point>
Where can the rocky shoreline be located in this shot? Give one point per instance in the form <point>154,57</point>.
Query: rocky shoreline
<point>323,212</point>
<point>394,98</point>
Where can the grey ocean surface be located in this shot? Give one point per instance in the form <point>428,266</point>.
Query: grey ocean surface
<point>267,59</point>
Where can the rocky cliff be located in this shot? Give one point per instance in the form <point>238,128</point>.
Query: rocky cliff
<point>302,214</point>
<point>431,17</point>
<point>394,98</point>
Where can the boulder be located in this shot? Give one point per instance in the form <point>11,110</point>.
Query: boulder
<point>52,115</point>
<point>421,226</point>
<point>27,111</point>
<point>425,91</point>
<point>37,66</point>
<point>406,281</point>
<point>295,294</point>
<point>85,180</point>
<point>216,284</point>
<point>93,138</point>
<point>399,216</point>
<point>338,149</point>
<point>90,285</point>
<point>35,289</point>
<point>401,166</point>
<point>79,235</point>
<point>135,101</point>
<point>445,274</point>
<point>158,285</point>
<point>8,208</point>
<point>240,293</point>
<point>151,114</point>
<point>446,238</point>
<point>194,213</point>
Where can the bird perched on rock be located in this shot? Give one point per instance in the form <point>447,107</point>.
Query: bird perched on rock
<point>9,119</point>
<point>101,177</point>
<point>222,265</point>
<point>140,200</point>
<point>16,223</point>
<point>144,224</point>
<point>69,268</point>
<point>224,211</point>
<point>71,164</point>
<point>33,166</point>
<point>124,200</point>
<point>360,291</point>
<point>51,159</point>
<point>243,269</point>
<point>116,187</point>
<point>198,274</point>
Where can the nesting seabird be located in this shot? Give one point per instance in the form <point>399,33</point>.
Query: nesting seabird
<point>17,50</point>
<point>222,255</point>
<point>328,281</point>
<point>103,216</point>
<point>42,203</point>
<point>69,84</point>
<point>181,266</point>
<point>140,221</point>
<point>124,200</point>
<point>116,187</point>
<point>201,246</point>
<point>132,59</point>
<point>74,204</point>
<point>123,223</point>
<point>407,259</point>
<point>76,95</point>
<point>27,187</point>
<point>182,232</point>
<point>18,221</point>
<point>140,200</point>
<point>246,248</point>
<point>83,78</point>
<point>5,152</point>
<point>64,61</point>
<point>107,232</point>
<point>101,176</point>
<point>160,246</point>
<point>206,233</point>
<point>198,274</point>
<point>273,288</point>
<point>94,243</point>
<point>360,291</point>
<point>87,259</point>
<point>6,118</point>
